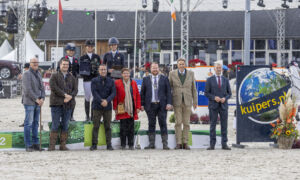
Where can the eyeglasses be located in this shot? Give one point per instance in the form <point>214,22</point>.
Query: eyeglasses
<point>34,62</point>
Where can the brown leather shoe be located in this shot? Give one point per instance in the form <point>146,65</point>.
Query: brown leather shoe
<point>178,146</point>
<point>186,146</point>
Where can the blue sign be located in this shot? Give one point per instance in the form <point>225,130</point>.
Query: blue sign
<point>139,84</point>
<point>202,99</point>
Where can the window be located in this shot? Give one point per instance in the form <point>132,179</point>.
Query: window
<point>251,58</point>
<point>287,44</point>
<point>273,58</point>
<point>202,55</point>
<point>212,59</point>
<point>296,56</point>
<point>224,57</point>
<point>260,58</point>
<point>237,56</point>
<point>225,44</point>
<point>272,44</point>
<point>236,44</point>
<point>260,44</point>
<point>296,44</point>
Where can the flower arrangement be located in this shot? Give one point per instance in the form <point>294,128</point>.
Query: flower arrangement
<point>194,119</point>
<point>234,64</point>
<point>205,119</point>
<point>285,126</point>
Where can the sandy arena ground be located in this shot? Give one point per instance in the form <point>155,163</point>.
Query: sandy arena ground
<point>256,161</point>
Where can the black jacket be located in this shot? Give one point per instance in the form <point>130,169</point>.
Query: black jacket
<point>164,92</point>
<point>111,61</point>
<point>103,88</point>
<point>88,68</point>
<point>212,90</point>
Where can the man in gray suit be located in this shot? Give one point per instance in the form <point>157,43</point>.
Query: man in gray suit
<point>217,90</point>
<point>184,96</point>
<point>33,96</point>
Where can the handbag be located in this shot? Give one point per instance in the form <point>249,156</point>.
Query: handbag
<point>121,108</point>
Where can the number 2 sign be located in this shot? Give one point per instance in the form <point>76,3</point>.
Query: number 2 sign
<point>5,141</point>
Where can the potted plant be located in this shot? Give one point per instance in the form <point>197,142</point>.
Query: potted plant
<point>284,130</point>
<point>194,119</point>
<point>172,118</point>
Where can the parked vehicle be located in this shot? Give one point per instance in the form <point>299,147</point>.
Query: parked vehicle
<point>9,69</point>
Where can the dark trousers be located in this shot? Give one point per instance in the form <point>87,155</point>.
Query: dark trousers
<point>127,130</point>
<point>156,111</point>
<point>213,117</point>
<point>97,115</point>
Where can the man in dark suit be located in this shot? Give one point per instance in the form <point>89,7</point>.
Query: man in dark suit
<point>156,99</point>
<point>217,90</point>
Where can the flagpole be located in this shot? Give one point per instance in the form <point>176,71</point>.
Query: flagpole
<point>172,55</point>
<point>135,34</point>
<point>57,35</point>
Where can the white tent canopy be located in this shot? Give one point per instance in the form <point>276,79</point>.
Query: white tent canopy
<point>5,48</point>
<point>32,50</point>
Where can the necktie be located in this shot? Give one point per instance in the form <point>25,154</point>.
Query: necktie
<point>155,89</point>
<point>219,82</point>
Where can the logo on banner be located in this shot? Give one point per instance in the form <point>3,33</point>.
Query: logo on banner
<point>260,94</point>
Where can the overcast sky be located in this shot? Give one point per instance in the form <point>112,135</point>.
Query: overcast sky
<point>130,5</point>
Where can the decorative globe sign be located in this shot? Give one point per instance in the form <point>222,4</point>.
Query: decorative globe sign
<point>260,93</point>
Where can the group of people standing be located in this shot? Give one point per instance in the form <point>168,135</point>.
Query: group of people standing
<point>109,86</point>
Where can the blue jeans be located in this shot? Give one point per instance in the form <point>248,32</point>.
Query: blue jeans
<point>31,124</point>
<point>60,116</point>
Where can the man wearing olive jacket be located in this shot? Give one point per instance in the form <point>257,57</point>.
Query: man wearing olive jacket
<point>64,88</point>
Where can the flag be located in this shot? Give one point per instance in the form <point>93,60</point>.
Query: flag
<point>173,12</point>
<point>60,12</point>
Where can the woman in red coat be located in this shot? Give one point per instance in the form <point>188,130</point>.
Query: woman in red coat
<point>128,98</point>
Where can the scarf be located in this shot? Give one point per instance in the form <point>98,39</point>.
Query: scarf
<point>128,99</point>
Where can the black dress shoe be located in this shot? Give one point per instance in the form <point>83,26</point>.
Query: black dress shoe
<point>93,147</point>
<point>123,147</point>
<point>131,148</point>
<point>210,148</point>
<point>22,125</point>
<point>226,147</point>
<point>29,149</point>
<point>109,147</point>
<point>36,147</point>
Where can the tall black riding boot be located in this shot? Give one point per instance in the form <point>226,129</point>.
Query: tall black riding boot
<point>72,118</point>
<point>87,110</point>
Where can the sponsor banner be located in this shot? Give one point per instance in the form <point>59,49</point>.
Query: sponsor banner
<point>5,141</point>
<point>201,74</point>
<point>260,91</point>
<point>80,137</point>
